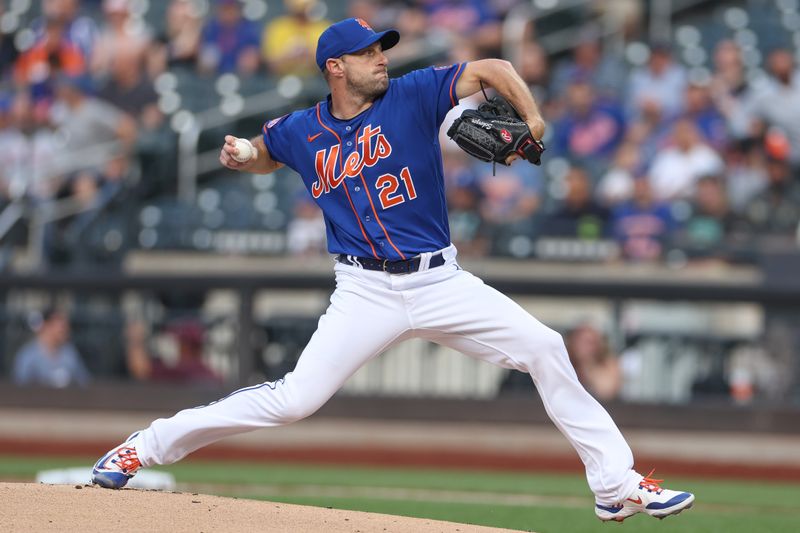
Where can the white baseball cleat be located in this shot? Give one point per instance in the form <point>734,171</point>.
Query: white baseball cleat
<point>120,464</point>
<point>648,498</point>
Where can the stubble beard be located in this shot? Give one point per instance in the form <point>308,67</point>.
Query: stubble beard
<point>368,89</point>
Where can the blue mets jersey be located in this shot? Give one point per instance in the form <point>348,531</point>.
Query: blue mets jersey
<point>378,176</point>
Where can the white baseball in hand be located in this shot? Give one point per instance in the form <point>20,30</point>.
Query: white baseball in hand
<point>246,150</point>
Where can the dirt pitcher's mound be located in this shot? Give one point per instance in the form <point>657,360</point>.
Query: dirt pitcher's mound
<point>26,507</point>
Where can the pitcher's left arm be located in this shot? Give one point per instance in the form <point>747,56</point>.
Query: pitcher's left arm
<point>500,75</point>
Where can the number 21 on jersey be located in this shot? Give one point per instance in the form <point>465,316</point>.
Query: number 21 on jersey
<point>388,185</point>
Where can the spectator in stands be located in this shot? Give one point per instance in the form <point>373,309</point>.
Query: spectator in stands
<point>766,369</point>
<point>676,169</point>
<point>779,104</point>
<point>183,32</point>
<point>459,168</point>
<point>700,108</point>
<point>473,20</point>
<point>128,90</point>
<point>604,72</point>
<point>467,229</point>
<point>305,234</point>
<point>597,366</point>
<point>464,51</point>
<point>51,56</point>
<point>533,68</point>
<point>643,226</point>
<point>746,172</point>
<point>590,130</point>
<point>86,122</point>
<point>187,365</point>
<point>625,16</point>
<point>616,185</point>
<point>776,210</point>
<point>79,30</point>
<point>289,42</point>
<point>731,91</point>
<point>650,131</point>
<point>659,87</point>
<point>704,235</point>
<point>50,359</point>
<point>118,36</point>
<point>578,216</point>
<point>28,167</point>
<point>230,43</point>
<point>381,15</point>
<point>412,23</point>
<point>509,200</point>
<point>755,373</point>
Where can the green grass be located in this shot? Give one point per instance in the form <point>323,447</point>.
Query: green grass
<point>541,502</point>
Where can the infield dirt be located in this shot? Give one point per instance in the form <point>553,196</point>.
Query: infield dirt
<point>35,507</point>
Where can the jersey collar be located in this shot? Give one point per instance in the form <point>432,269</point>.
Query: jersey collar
<point>326,109</point>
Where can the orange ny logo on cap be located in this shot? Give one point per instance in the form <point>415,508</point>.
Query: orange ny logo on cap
<point>363,24</point>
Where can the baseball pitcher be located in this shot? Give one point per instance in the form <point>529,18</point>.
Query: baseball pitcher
<point>369,156</point>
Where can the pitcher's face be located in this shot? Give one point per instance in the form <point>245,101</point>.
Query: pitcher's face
<point>366,72</point>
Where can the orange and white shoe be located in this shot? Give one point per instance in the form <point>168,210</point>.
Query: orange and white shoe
<point>648,498</point>
<point>119,465</point>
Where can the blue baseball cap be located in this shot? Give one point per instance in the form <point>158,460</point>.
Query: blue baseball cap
<point>348,36</point>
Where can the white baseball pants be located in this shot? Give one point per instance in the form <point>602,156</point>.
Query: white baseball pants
<point>371,311</point>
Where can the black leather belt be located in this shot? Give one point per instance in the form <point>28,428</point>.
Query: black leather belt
<point>392,267</point>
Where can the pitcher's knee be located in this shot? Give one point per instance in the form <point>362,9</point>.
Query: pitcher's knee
<point>554,343</point>
<point>297,410</point>
<point>545,346</point>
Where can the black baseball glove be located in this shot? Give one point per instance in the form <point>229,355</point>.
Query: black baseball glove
<point>494,131</point>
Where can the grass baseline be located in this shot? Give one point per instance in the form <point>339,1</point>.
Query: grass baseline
<point>541,502</point>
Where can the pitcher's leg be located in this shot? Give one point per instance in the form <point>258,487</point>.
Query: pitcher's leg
<point>358,325</point>
<point>492,327</point>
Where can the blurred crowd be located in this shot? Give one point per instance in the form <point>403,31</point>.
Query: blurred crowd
<point>664,162</point>
<point>655,160</point>
<point>81,124</point>
<point>174,353</point>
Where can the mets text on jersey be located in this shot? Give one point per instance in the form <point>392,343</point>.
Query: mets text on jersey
<point>372,146</point>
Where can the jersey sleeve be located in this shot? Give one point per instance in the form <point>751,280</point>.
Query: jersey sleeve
<point>275,134</point>
<point>439,82</point>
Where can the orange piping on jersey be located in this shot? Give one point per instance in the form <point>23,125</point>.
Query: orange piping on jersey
<point>377,219</point>
<point>375,212</point>
<point>364,233</point>
<point>344,186</point>
<point>453,82</point>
